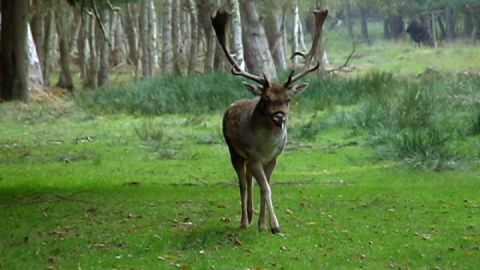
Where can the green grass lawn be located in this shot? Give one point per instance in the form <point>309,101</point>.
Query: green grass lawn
<point>79,191</point>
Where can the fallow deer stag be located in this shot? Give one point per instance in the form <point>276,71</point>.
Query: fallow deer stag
<point>255,129</point>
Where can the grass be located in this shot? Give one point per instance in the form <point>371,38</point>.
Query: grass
<point>402,58</point>
<point>82,191</point>
<point>381,172</point>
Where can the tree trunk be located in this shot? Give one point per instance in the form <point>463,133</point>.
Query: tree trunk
<point>119,53</point>
<point>297,26</point>
<point>82,46</point>
<point>441,25</point>
<point>321,52</point>
<point>176,36</point>
<point>90,81</point>
<point>364,23</point>
<point>38,28</point>
<point>192,60</point>
<point>386,28</point>
<point>62,23</point>
<point>433,29</point>
<point>348,18</point>
<point>153,37</point>
<point>236,26</point>
<point>48,44</point>
<point>205,7</point>
<point>257,54</point>
<point>104,49</point>
<point>219,62</point>
<point>397,28</point>
<point>467,24</point>
<point>167,50</point>
<point>475,19</point>
<point>148,37</point>
<point>274,29</point>
<point>450,23</point>
<point>13,54</point>
<point>130,13</point>
<point>143,31</point>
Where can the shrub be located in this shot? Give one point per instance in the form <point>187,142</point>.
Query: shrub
<point>167,94</point>
<point>426,148</point>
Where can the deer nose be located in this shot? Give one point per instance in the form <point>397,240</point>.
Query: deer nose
<point>279,118</point>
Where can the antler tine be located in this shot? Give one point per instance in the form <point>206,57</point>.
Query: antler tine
<point>289,78</point>
<point>219,22</point>
<point>305,72</point>
<point>320,16</point>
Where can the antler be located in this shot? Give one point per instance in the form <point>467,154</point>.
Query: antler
<point>320,16</point>
<point>219,22</point>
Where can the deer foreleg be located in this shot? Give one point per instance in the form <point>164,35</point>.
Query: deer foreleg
<point>268,169</point>
<point>257,171</point>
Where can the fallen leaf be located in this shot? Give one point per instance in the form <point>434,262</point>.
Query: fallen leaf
<point>225,219</point>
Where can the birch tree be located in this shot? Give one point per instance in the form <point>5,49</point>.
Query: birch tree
<point>236,26</point>
<point>298,39</point>
<point>104,49</point>
<point>167,49</point>
<point>192,60</point>
<point>91,63</point>
<point>148,37</point>
<point>129,13</point>
<point>176,36</point>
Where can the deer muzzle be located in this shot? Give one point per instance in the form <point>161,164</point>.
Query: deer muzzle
<point>279,119</point>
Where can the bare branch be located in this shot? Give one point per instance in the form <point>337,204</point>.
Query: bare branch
<point>346,61</point>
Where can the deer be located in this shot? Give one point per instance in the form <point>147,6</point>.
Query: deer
<point>255,129</point>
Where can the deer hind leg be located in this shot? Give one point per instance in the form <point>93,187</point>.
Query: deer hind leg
<point>238,163</point>
<point>257,171</point>
<point>249,197</point>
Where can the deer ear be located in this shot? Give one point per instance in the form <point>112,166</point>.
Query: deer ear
<point>297,89</point>
<point>254,89</point>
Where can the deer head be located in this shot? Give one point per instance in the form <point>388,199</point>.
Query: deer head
<point>274,97</point>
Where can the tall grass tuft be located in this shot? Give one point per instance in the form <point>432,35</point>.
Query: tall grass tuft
<point>167,95</point>
<point>425,148</point>
<point>418,121</point>
<point>157,140</point>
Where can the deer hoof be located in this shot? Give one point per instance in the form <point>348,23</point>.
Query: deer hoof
<point>250,216</point>
<point>275,230</point>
